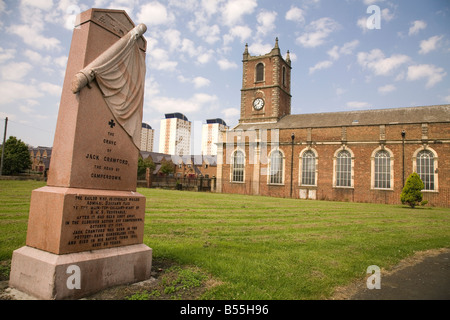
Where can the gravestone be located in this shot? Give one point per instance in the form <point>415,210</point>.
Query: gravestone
<point>85,228</point>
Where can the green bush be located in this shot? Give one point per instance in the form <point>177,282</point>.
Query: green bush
<point>412,191</point>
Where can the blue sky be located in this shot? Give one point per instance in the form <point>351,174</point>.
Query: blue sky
<point>194,56</point>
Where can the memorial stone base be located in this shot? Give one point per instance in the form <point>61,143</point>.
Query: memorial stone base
<point>81,241</point>
<point>49,276</point>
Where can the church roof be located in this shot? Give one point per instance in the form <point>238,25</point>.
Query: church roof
<point>428,114</point>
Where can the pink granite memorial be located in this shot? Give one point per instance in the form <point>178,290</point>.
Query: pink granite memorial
<point>85,228</point>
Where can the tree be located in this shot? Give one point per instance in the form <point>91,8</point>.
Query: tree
<point>17,157</point>
<point>412,191</point>
<point>143,164</point>
<point>167,166</point>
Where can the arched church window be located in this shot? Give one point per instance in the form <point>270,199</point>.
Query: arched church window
<point>425,168</point>
<point>238,165</point>
<point>344,169</point>
<point>260,72</point>
<point>276,167</point>
<point>382,170</point>
<point>309,168</point>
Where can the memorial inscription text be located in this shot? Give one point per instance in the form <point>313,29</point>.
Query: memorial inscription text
<point>104,221</point>
<point>105,165</point>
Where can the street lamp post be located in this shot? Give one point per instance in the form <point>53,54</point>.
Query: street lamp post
<point>403,157</point>
<point>292,159</point>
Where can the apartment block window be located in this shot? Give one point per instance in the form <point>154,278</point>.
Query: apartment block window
<point>238,165</point>
<point>344,169</point>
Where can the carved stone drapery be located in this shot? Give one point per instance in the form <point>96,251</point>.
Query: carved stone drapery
<point>120,75</point>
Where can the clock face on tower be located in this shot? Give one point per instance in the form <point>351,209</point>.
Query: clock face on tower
<point>258,104</point>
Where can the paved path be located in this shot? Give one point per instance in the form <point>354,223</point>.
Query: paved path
<point>428,279</point>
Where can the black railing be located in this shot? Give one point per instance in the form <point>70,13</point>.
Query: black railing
<point>185,183</point>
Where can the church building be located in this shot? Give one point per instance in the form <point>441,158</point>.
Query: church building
<point>358,156</point>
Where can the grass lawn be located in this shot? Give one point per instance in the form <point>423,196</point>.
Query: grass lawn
<point>261,247</point>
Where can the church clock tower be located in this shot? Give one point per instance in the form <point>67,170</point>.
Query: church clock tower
<point>266,87</point>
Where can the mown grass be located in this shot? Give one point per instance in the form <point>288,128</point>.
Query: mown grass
<point>262,247</point>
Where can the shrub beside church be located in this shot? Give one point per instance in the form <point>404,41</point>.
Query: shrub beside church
<point>412,191</point>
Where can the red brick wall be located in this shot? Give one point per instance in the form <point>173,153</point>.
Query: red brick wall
<point>362,141</point>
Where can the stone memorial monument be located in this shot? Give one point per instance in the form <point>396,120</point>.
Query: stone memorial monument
<point>85,228</point>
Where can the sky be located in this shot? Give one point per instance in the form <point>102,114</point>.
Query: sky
<point>346,55</point>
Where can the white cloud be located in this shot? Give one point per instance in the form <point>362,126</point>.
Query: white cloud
<point>430,44</point>
<point>15,71</point>
<point>292,55</point>
<point>33,38</point>
<point>199,101</point>
<point>36,19</point>
<point>41,4</point>
<point>154,13</point>
<point>47,62</point>
<point>241,32</point>
<point>340,91</point>
<point>386,15</point>
<point>185,5</point>
<point>357,105</point>
<point>317,32</point>
<point>202,27</point>
<point>151,87</point>
<point>416,26</point>
<point>167,104</point>
<point>6,54</point>
<point>259,48</point>
<point>266,22</point>
<point>198,82</point>
<point>14,91</point>
<point>177,44</point>
<point>37,58</point>
<point>205,57</point>
<point>362,23</point>
<point>231,112</point>
<point>378,64</point>
<point>211,34</point>
<point>369,2</point>
<point>432,73</point>
<point>346,49</point>
<point>172,38</point>
<point>321,65</point>
<point>234,10</point>
<point>387,89</point>
<point>50,88</point>
<point>188,46</point>
<point>295,14</point>
<point>2,6</point>
<point>204,99</point>
<point>61,61</point>
<point>225,64</point>
<point>210,7</point>
<point>447,99</point>
<point>26,109</point>
<point>159,60</point>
